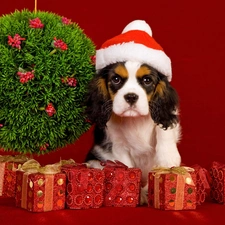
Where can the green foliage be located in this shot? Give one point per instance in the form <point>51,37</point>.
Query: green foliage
<point>25,125</point>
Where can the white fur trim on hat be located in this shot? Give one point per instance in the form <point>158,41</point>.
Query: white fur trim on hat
<point>134,52</point>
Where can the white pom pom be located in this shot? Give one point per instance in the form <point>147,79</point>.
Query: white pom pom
<point>138,25</point>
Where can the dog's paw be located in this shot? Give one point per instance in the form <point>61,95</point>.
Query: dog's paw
<point>144,195</point>
<point>167,160</point>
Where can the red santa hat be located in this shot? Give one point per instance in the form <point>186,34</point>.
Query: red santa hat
<point>135,43</point>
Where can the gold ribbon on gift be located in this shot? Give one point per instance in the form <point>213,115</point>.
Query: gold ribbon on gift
<point>30,166</point>
<point>183,177</point>
<point>11,158</point>
<point>6,158</point>
<point>63,162</point>
<point>33,166</point>
<point>14,159</point>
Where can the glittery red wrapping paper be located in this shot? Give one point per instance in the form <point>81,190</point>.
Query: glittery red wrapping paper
<point>217,173</point>
<point>168,192</point>
<point>84,187</point>
<point>40,192</point>
<point>203,181</point>
<point>122,187</point>
<point>8,178</point>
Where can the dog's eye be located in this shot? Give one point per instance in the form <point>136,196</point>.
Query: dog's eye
<point>146,80</point>
<point>116,79</point>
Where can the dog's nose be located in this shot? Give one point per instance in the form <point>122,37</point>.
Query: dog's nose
<point>131,98</point>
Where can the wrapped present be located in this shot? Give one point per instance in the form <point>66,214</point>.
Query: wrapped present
<point>40,189</point>
<point>172,188</point>
<point>8,166</point>
<point>203,181</point>
<point>217,173</point>
<point>122,185</point>
<point>84,187</point>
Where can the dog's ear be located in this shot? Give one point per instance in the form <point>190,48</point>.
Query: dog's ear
<point>97,102</point>
<point>164,104</point>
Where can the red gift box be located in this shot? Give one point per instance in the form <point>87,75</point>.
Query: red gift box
<point>122,185</point>
<point>203,181</point>
<point>217,173</point>
<point>84,187</point>
<point>8,166</point>
<point>40,190</point>
<point>172,188</point>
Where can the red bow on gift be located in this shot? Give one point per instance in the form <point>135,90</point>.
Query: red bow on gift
<point>204,176</point>
<point>218,165</point>
<point>77,165</point>
<point>115,163</point>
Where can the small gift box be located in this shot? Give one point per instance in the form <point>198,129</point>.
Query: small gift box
<point>8,166</point>
<point>203,181</point>
<point>40,189</point>
<point>172,188</point>
<point>84,187</point>
<point>122,185</point>
<point>217,173</point>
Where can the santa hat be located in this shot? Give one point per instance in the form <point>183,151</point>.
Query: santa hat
<point>135,43</point>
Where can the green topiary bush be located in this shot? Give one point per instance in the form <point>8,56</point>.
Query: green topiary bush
<point>46,62</point>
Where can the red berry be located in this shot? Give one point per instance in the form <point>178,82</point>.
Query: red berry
<point>50,109</point>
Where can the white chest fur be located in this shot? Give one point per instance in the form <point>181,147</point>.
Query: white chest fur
<point>138,142</point>
<point>133,139</point>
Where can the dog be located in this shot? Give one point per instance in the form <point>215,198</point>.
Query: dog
<point>135,112</point>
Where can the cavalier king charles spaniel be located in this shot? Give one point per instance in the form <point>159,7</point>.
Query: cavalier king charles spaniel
<point>135,112</point>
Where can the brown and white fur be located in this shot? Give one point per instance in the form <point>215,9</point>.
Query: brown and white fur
<point>135,112</point>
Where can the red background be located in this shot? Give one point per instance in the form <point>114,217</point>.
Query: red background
<point>192,34</point>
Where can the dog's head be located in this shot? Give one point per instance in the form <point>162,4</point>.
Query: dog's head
<point>132,80</point>
<point>131,89</point>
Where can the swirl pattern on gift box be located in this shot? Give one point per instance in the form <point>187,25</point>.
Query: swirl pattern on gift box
<point>84,187</point>
<point>203,181</point>
<point>217,192</point>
